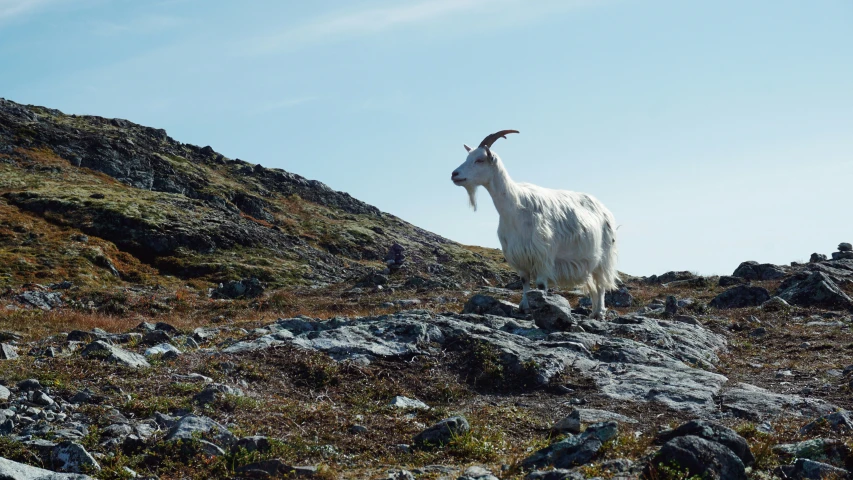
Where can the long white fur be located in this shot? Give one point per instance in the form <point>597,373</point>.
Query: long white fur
<point>547,235</point>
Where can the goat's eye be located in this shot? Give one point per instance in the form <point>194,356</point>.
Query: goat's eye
<point>479,160</point>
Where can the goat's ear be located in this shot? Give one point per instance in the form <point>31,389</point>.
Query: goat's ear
<point>467,148</point>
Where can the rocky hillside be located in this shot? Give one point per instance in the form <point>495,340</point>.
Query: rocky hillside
<point>91,200</point>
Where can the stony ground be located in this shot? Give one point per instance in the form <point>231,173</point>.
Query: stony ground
<point>355,382</point>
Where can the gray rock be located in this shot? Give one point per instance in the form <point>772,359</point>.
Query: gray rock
<point>29,384</point>
<point>817,290</point>
<point>245,288</point>
<point>405,403</point>
<point>569,424</point>
<point>803,469</point>
<point>669,277</point>
<point>42,300</point>
<point>41,398</point>
<point>211,449</point>
<point>728,281</point>
<point>845,247</point>
<point>757,404</point>
<point>758,271</point>
<point>8,352</point>
<point>357,429</point>
<point>156,336</point>
<point>203,334</point>
<point>700,457</point>
<point>842,255</point>
<point>594,415</point>
<point>400,474</point>
<point>110,353</point>
<point>255,443</point>
<point>117,430</point>
<point>18,471</point>
<point>715,433</point>
<point>572,422</point>
<point>69,456</point>
<point>573,451</point>
<point>4,393</point>
<point>190,426</point>
<point>839,421</point>
<point>740,296</point>
<point>618,298</point>
<point>214,391</point>
<point>775,304</point>
<point>826,450</point>
<point>442,432</point>
<point>484,304</point>
<point>551,312</point>
<point>162,349</point>
<point>817,258</point>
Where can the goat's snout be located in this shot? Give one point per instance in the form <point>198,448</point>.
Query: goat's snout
<point>454,174</point>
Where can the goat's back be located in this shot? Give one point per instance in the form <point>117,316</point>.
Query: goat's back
<point>562,235</point>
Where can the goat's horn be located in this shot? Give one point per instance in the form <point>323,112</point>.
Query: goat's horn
<point>489,140</point>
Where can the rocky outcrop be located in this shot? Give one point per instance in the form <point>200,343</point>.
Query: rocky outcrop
<point>630,358</point>
<point>192,212</point>
<point>741,296</point>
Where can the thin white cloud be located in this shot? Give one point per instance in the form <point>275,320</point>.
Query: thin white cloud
<point>140,25</point>
<point>363,22</point>
<point>16,8</point>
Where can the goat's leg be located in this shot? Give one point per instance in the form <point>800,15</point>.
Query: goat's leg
<point>597,297</point>
<point>525,287</point>
<point>542,284</point>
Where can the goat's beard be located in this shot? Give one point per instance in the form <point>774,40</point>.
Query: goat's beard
<point>472,196</point>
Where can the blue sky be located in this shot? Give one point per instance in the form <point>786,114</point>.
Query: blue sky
<point>716,131</point>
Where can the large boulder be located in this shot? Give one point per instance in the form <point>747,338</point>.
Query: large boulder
<point>741,296</point>
<point>817,290</point>
<point>551,312</point>
<point>697,456</point>
<point>713,432</point>
<point>758,271</point>
<point>573,451</point>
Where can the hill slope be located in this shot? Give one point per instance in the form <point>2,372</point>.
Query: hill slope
<point>151,205</point>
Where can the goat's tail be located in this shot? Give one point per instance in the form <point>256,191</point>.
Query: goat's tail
<point>606,276</point>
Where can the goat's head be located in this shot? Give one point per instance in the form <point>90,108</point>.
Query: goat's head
<point>479,167</point>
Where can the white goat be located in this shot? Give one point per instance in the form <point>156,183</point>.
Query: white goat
<point>547,235</point>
